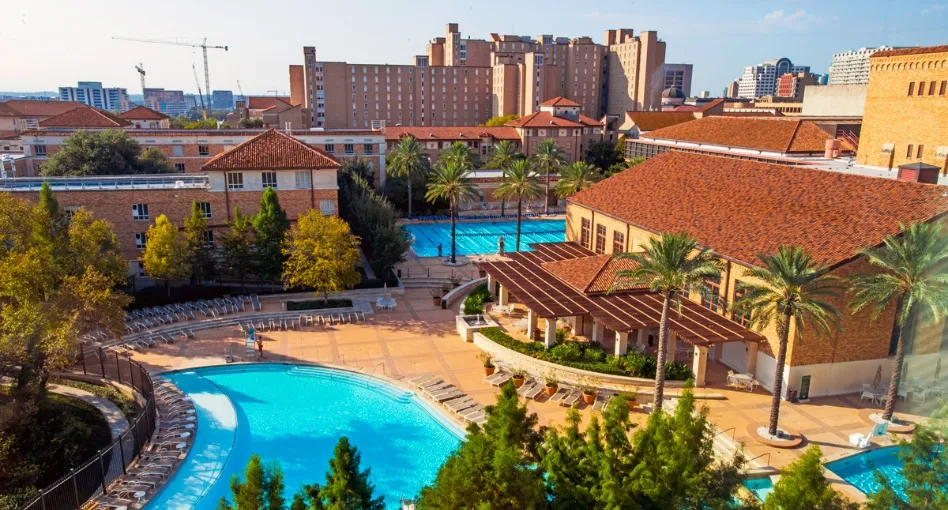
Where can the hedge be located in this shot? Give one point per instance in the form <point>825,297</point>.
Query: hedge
<point>317,304</point>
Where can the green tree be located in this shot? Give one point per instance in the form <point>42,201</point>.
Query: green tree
<point>452,182</point>
<point>793,290</point>
<point>623,166</point>
<point>166,255</point>
<point>575,178</point>
<point>495,467</point>
<point>458,154</point>
<point>202,124</point>
<point>501,120</point>
<point>409,160</point>
<point>911,275</point>
<point>199,253</point>
<point>238,248</point>
<point>347,487</point>
<point>109,152</point>
<point>519,181</point>
<point>261,487</point>
<point>59,281</point>
<point>250,123</point>
<point>321,254</point>
<point>668,265</point>
<point>178,122</point>
<point>153,161</point>
<point>803,486</point>
<point>603,154</point>
<point>548,159</point>
<point>374,219</point>
<point>502,156</point>
<point>270,226</point>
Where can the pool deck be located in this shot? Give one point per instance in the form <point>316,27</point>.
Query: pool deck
<point>420,338</point>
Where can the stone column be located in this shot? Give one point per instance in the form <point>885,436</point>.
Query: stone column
<point>750,360</point>
<point>598,331</point>
<point>700,365</point>
<point>532,323</point>
<point>672,345</point>
<point>549,333</point>
<point>504,298</point>
<point>642,337</point>
<point>622,343</point>
<point>490,284</point>
<point>578,325</point>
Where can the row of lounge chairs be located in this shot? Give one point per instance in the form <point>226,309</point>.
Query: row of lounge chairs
<point>295,323</point>
<point>456,401</point>
<point>566,396</point>
<point>147,318</point>
<point>126,347</point>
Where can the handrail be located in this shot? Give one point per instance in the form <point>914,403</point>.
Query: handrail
<point>732,429</point>
<point>382,364</point>
<point>759,456</point>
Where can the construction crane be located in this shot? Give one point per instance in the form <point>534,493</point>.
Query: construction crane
<point>204,46</point>
<point>241,89</point>
<point>197,82</point>
<point>141,70</point>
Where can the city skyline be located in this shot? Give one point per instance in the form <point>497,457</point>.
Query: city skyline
<point>714,42</point>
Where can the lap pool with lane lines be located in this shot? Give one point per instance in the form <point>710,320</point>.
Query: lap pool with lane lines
<point>480,238</point>
<point>295,414</point>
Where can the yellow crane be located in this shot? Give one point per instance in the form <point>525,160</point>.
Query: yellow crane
<point>204,47</point>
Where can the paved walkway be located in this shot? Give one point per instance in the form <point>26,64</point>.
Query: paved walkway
<point>112,413</point>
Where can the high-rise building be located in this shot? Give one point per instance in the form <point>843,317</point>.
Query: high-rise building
<point>94,94</point>
<point>732,89</point>
<point>169,102</point>
<point>852,67</point>
<point>761,80</point>
<point>222,99</point>
<point>793,84</point>
<point>678,76</point>
<point>634,70</point>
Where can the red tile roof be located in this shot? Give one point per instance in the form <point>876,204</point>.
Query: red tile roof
<point>743,208</point>
<point>423,133</point>
<point>650,121</point>
<point>777,134</point>
<point>543,120</point>
<point>24,108</point>
<point>85,118</point>
<point>559,101</point>
<point>266,102</point>
<point>271,150</point>
<point>910,51</point>
<point>142,113</point>
<point>589,121</point>
<point>589,275</point>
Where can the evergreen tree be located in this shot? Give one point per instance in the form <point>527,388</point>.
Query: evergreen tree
<point>260,489</point>
<point>802,486</point>
<point>496,467</point>
<point>270,226</point>
<point>237,248</point>
<point>199,253</point>
<point>347,487</point>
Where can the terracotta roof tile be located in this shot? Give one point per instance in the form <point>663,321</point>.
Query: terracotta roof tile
<point>590,275</point>
<point>777,134</point>
<point>543,119</point>
<point>271,150</point>
<point>743,208</point>
<point>142,113</point>
<point>589,121</point>
<point>25,108</point>
<point>265,102</point>
<point>451,133</point>
<point>910,51</point>
<point>85,118</point>
<point>650,121</point>
<point>559,101</point>
<point>8,134</point>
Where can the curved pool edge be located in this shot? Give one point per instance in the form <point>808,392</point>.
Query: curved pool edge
<point>851,489</point>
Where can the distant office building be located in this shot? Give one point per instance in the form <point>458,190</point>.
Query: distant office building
<point>168,102</point>
<point>793,84</point>
<point>94,94</point>
<point>222,99</point>
<point>852,67</point>
<point>732,89</point>
<point>705,94</point>
<point>761,80</point>
<point>678,76</point>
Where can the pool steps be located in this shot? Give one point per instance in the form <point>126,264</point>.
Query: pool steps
<point>401,396</point>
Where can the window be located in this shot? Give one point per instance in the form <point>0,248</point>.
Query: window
<point>208,238</point>
<point>140,212</point>
<point>268,179</point>
<point>69,211</point>
<point>327,206</point>
<point>304,179</point>
<point>141,269</point>
<point>140,240</point>
<point>584,233</point>
<point>39,150</point>
<point>921,149</point>
<point>331,147</point>
<point>739,290</point>
<point>931,88</point>
<point>179,167</point>
<point>941,90</point>
<point>618,242</point>
<point>235,180</point>
<point>205,208</point>
<point>204,150</point>
<point>600,239</point>
<point>911,87</point>
<point>177,150</point>
<point>909,151</point>
<point>710,295</point>
<point>349,148</point>
<point>367,148</point>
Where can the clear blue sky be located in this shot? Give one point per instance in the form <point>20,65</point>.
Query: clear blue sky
<point>47,44</point>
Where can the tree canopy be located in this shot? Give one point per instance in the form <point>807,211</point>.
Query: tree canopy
<point>260,489</point>
<point>500,120</point>
<point>802,486</point>
<point>321,254</point>
<point>237,248</point>
<point>374,220</point>
<point>109,152</point>
<point>166,255</point>
<point>270,226</point>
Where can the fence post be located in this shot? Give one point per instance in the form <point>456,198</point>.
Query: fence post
<point>102,470</point>
<point>75,486</point>
<point>43,499</point>
<point>118,367</point>
<point>122,451</point>
<point>82,356</point>
<point>131,373</point>
<point>102,360</point>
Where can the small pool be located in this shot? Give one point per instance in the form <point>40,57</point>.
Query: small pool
<point>295,414</point>
<point>859,470</point>
<point>480,238</point>
<point>761,487</point>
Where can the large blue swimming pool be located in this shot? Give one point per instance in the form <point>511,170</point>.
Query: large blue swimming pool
<point>480,238</point>
<point>859,470</point>
<point>295,415</point>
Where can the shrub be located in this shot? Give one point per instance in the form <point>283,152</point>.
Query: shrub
<point>566,352</point>
<point>127,404</point>
<point>677,371</point>
<point>594,355</point>
<point>474,302</point>
<point>561,335</point>
<point>317,304</point>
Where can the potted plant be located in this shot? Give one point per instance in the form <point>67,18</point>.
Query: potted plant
<point>552,384</point>
<point>487,359</point>
<point>630,397</point>
<point>455,281</point>
<point>589,395</point>
<point>481,273</point>
<point>518,375</point>
<point>444,290</point>
<point>436,296</point>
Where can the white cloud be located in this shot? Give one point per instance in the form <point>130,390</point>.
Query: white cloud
<point>934,8</point>
<point>796,20</point>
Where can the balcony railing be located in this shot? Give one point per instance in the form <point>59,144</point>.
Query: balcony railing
<point>118,182</point>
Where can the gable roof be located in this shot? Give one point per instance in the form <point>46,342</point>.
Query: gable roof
<point>142,113</point>
<point>266,102</point>
<point>26,108</point>
<point>589,121</point>
<point>743,208</point>
<point>543,120</point>
<point>650,121</point>
<point>898,52</point>
<point>766,134</point>
<point>590,275</point>
<point>423,133</point>
<point>85,118</point>
<point>271,150</point>
<point>559,101</point>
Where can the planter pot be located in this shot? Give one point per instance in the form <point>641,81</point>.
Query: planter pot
<point>518,382</point>
<point>444,292</point>
<point>551,390</point>
<point>632,405</point>
<point>589,399</point>
<point>489,371</point>
<point>482,273</point>
<point>436,301</point>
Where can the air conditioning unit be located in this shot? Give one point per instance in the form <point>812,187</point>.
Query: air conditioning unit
<point>887,148</point>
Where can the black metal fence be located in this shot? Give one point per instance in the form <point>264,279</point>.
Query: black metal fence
<point>92,479</point>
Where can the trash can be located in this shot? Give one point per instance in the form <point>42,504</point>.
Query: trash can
<point>792,395</point>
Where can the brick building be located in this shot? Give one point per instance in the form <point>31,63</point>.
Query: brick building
<point>906,111</point>
<point>146,118</point>
<point>480,139</point>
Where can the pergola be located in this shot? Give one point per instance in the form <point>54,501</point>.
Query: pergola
<point>566,281</point>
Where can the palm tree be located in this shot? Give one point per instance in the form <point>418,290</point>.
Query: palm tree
<point>450,181</point>
<point>575,178</point>
<point>668,265</point>
<point>502,156</point>
<point>548,160</point>
<point>913,277</point>
<point>407,159</point>
<point>459,154</point>
<point>520,181</point>
<point>793,289</point>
